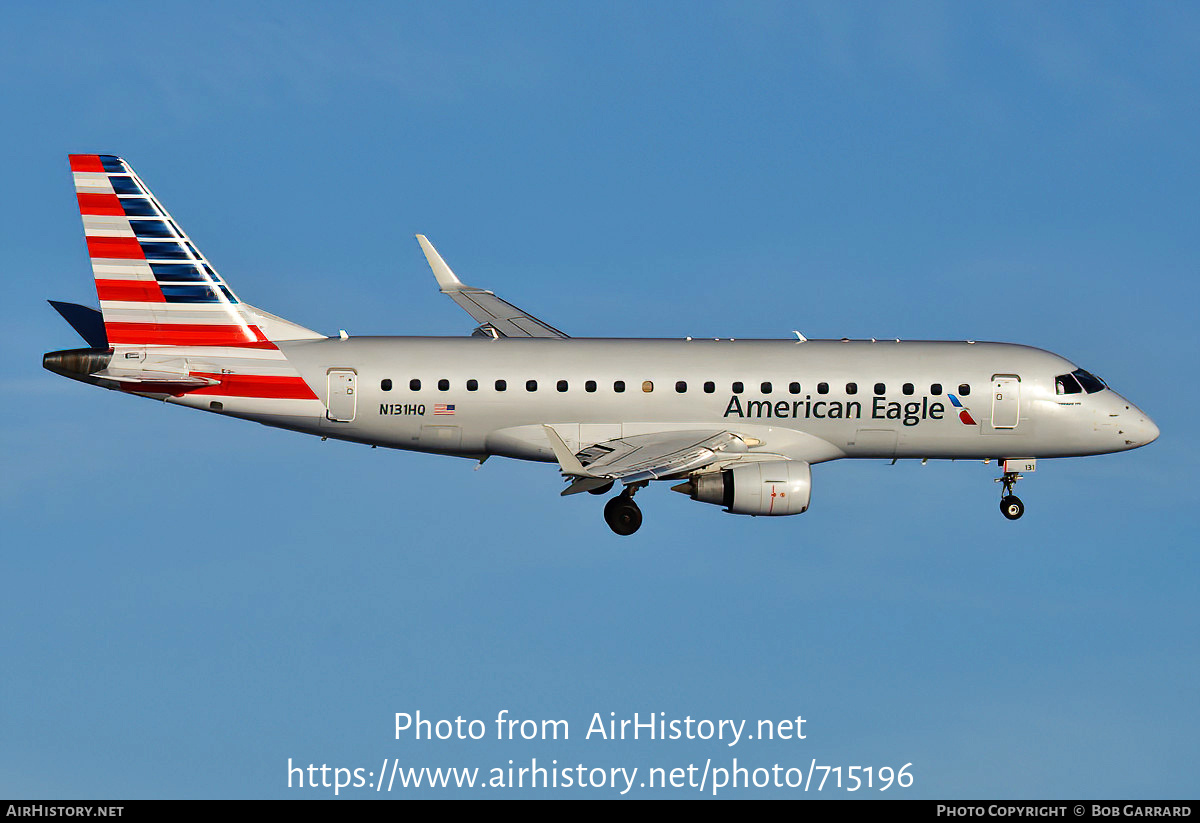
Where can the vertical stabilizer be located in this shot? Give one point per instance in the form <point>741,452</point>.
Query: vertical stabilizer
<point>154,285</point>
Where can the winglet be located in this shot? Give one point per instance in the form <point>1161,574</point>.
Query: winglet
<point>446,280</point>
<point>567,461</point>
<point>497,317</point>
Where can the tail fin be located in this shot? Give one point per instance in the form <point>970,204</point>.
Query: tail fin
<point>155,287</point>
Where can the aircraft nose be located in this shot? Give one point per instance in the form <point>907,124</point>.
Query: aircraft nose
<point>1142,430</point>
<point>1150,433</point>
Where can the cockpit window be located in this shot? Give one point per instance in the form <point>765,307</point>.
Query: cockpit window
<point>1066,384</point>
<point>1078,381</point>
<point>1090,382</point>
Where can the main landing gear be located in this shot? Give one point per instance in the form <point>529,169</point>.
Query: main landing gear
<point>1010,505</point>
<point>623,515</point>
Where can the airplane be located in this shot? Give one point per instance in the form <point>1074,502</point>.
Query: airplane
<point>733,423</point>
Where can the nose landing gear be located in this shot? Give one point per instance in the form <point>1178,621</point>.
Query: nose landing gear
<point>1010,505</point>
<point>623,515</point>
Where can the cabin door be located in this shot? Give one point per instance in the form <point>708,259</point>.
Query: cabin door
<point>342,400</point>
<point>1006,401</point>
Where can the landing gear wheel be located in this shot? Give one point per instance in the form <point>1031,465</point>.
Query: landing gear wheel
<point>623,515</point>
<point>1012,507</point>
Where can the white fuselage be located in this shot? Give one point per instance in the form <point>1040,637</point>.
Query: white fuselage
<point>806,400</point>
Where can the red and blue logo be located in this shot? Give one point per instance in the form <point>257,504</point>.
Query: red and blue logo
<point>963,413</point>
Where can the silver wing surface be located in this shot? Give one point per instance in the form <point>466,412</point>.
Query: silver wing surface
<point>642,457</point>
<point>496,317</point>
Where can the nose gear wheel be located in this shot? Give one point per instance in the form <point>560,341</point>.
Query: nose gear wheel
<point>1010,505</point>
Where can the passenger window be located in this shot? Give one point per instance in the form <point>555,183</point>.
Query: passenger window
<point>794,387</point>
<point>647,386</point>
<point>589,385</point>
<point>443,385</point>
<point>908,388</point>
<point>851,388</point>
<point>414,385</point>
<point>562,385</point>
<point>530,385</point>
<point>472,385</point>
<point>680,386</point>
<point>880,388</point>
<point>738,388</point>
<point>386,385</point>
<point>501,385</point>
<point>710,387</point>
<point>619,386</point>
<point>822,388</point>
<point>935,389</point>
<point>765,388</point>
<point>964,389</point>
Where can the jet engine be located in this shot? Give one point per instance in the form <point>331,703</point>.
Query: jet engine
<point>773,488</point>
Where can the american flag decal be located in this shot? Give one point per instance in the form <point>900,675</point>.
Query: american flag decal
<point>443,408</point>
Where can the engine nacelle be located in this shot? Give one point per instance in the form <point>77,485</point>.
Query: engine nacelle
<point>775,488</point>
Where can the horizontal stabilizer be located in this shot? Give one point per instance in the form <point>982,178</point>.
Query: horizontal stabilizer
<point>85,320</point>
<point>156,381</point>
<point>175,379</point>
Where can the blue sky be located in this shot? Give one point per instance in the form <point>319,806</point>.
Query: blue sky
<point>190,601</point>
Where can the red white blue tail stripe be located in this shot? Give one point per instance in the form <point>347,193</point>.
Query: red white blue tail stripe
<point>154,285</point>
<point>164,303</point>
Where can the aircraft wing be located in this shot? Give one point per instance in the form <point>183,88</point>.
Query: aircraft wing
<point>642,457</point>
<point>497,317</point>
